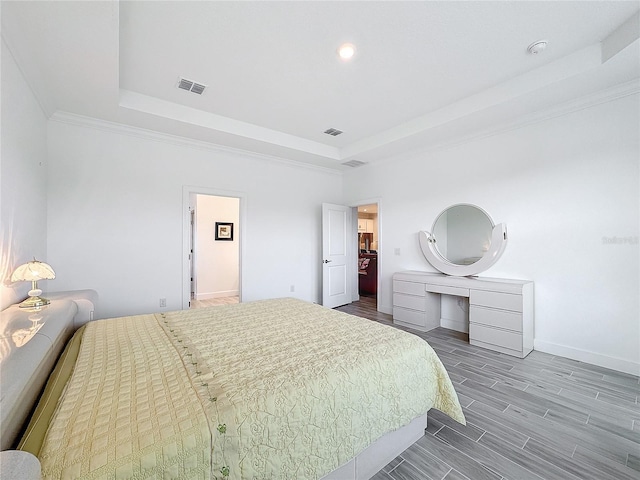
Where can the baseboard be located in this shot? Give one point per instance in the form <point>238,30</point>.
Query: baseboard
<point>224,293</point>
<point>614,363</point>
<point>457,325</point>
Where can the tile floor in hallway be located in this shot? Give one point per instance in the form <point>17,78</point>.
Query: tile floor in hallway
<point>213,302</point>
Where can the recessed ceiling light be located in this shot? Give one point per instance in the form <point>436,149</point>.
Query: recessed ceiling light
<point>346,51</point>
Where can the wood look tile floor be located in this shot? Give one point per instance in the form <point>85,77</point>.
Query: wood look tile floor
<point>541,417</point>
<point>214,302</point>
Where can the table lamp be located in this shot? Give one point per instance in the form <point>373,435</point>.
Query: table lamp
<point>32,272</point>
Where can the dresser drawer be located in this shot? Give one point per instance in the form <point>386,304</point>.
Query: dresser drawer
<point>409,301</point>
<point>495,336</point>
<point>446,290</point>
<point>409,288</point>
<point>412,317</point>
<point>495,318</point>
<point>504,301</point>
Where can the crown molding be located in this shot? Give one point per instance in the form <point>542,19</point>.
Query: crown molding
<point>218,123</point>
<point>511,89</point>
<point>591,100</point>
<point>587,101</point>
<point>122,129</point>
<point>566,108</point>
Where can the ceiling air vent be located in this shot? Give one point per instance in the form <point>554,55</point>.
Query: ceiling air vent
<point>354,163</point>
<point>334,132</point>
<point>190,86</point>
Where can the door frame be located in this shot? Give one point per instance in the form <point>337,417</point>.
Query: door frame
<point>193,271</point>
<point>187,192</point>
<point>356,290</point>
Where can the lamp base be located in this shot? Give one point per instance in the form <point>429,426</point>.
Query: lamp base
<point>34,302</point>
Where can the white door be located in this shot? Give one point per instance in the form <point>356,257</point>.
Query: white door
<point>336,221</point>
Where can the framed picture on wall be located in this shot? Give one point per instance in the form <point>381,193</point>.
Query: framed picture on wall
<point>224,231</point>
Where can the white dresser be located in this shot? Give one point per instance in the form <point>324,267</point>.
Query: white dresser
<point>500,310</point>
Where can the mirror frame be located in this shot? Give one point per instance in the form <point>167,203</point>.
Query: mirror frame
<point>491,256</point>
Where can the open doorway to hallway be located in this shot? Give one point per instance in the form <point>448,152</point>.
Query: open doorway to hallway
<point>215,251</point>
<point>368,239</point>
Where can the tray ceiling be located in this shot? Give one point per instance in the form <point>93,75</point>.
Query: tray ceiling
<point>423,71</point>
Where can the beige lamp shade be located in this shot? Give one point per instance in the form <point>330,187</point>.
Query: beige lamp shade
<point>32,272</point>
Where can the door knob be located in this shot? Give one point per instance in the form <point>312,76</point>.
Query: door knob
<point>326,261</point>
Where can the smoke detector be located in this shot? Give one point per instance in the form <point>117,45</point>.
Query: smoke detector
<point>537,47</point>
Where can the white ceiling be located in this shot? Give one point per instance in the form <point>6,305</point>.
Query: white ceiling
<point>372,208</point>
<point>424,72</point>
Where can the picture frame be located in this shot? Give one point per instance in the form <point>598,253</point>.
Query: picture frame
<point>224,231</point>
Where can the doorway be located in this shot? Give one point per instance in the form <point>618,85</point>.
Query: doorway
<point>368,259</point>
<point>214,253</point>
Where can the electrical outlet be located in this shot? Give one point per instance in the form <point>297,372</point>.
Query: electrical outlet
<point>397,251</point>
<point>292,288</point>
<point>163,302</point>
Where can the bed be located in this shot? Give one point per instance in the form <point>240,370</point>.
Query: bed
<point>268,389</point>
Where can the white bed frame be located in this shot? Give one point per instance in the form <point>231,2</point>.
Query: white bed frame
<point>28,353</point>
<point>25,367</point>
<point>377,455</point>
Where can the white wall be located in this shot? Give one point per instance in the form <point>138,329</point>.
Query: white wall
<point>116,217</point>
<point>561,186</point>
<point>112,216</point>
<point>23,170</point>
<point>217,262</point>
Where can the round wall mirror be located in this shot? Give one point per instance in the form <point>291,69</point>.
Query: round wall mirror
<point>463,241</point>
<point>462,234</point>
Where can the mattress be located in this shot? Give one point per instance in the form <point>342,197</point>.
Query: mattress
<point>269,389</point>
